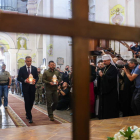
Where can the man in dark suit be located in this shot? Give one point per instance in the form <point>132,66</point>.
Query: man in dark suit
<point>27,88</point>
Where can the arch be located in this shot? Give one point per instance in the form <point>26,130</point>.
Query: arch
<point>7,38</point>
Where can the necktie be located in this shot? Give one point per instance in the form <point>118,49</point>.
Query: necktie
<point>29,70</point>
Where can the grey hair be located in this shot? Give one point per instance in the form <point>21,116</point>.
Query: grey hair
<point>132,60</point>
<point>27,57</point>
<point>3,65</point>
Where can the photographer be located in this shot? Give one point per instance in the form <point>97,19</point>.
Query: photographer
<point>134,75</point>
<point>126,89</point>
<point>64,95</point>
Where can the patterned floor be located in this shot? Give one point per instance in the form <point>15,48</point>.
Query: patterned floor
<point>99,130</point>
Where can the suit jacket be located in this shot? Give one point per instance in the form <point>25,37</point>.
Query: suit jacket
<point>23,75</point>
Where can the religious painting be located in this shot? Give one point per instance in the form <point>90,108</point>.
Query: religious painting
<point>50,50</point>
<point>117,15</point>
<point>60,61</point>
<point>21,55</point>
<point>22,43</point>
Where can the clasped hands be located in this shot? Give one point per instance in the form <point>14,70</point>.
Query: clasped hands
<point>27,81</point>
<point>51,83</point>
<point>100,73</point>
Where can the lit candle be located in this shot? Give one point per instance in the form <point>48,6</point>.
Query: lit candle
<point>31,78</point>
<point>54,79</point>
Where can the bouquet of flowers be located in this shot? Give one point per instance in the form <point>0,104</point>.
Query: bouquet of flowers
<point>131,133</point>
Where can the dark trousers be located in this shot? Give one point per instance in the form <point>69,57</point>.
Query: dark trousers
<point>63,104</point>
<point>29,98</point>
<point>52,101</point>
<point>136,102</point>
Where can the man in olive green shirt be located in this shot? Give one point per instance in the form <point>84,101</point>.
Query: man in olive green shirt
<point>5,82</point>
<point>51,88</point>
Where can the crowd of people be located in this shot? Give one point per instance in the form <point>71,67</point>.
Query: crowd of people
<point>114,87</point>
<point>117,86</point>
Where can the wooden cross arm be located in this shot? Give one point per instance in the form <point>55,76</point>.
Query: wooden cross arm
<point>74,27</point>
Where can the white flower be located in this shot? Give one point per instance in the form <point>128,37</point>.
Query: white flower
<point>118,136</point>
<point>136,134</point>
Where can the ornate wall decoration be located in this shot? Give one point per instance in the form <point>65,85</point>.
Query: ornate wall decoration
<point>60,61</point>
<point>50,50</point>
<point>22,43</point>
<point>117,15</point>
<point>4,44</point>
<point>21,55</point>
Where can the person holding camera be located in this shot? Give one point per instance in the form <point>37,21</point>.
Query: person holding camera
<point>64,96</point>
<point>134,75</point>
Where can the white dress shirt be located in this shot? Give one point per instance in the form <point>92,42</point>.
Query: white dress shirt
<point>29,68</point>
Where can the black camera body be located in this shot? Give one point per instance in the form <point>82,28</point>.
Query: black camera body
<point>66,68</point>
<point>122,66</point>
<point>97,53</point>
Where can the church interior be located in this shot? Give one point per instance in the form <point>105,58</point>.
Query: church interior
<point>72,34</point>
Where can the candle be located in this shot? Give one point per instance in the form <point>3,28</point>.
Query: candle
<point>54,79</point>
<point>31,78</point>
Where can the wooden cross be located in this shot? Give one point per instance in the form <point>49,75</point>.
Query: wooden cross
<point>80,29</point>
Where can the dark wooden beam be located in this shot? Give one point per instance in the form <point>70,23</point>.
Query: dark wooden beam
<point>80,93</point>
<point>76,27</point>
<point>80,74</point>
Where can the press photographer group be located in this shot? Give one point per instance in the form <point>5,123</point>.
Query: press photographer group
<point>117,86</point>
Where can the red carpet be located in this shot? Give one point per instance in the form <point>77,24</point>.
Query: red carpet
<point>39,118</point>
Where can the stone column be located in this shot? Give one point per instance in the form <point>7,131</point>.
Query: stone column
<point>32,7</point>
<point>13,61</point>
<point>39,53</point>
<point>46,38</point>
<point>6,61</point>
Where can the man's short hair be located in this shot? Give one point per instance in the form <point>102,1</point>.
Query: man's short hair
<point>27,57</point>
<point>132,60</point>
<point>51,62</point>
<point>100,61</point>
<point>3,65</point>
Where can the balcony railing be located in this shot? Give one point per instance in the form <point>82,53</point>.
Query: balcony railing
<point>8,8</point>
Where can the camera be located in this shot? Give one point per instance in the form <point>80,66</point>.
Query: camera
<point>97,53</point>
<point>66,68</point>
<point>122,66</point>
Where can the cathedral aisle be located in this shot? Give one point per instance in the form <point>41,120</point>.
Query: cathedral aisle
<point>16,110</point>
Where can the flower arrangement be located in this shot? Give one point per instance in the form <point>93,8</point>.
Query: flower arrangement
<point>131,133</point>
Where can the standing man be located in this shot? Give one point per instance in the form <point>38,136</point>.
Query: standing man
<point>134,76</point>
<point>108,98</point>
<point>27,88</point>
<point>65,76</point>
<point>51,88</point>
<point>39,88</point>
<point>135,48</point>
<point>5,82</point>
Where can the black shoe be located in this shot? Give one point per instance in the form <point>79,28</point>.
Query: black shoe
<point>30,121</point>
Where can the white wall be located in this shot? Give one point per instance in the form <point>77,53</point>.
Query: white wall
<point>102,11</point>
<point>137,13</point>
<point>130,13</point>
